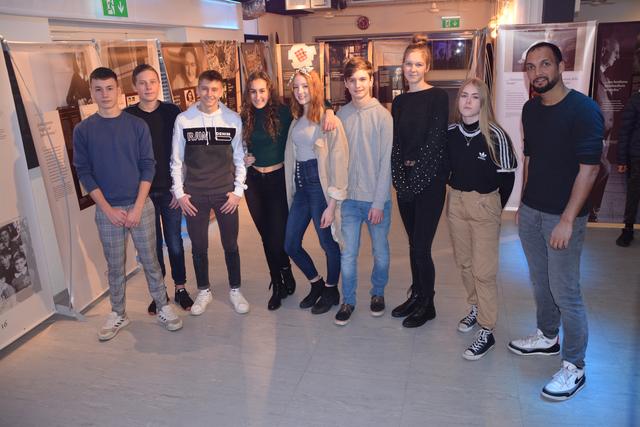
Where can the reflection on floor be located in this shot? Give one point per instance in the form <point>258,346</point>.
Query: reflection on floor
<point>290,368</point>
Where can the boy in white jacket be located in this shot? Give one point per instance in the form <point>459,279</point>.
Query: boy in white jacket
<point>208,172</point>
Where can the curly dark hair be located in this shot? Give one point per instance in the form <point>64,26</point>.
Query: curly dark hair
<point>247,111</point>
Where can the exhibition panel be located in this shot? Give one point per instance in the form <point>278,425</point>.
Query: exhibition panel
<point>512,87</point>
<point>25,281</point>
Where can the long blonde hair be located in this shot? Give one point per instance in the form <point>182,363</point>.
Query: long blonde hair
<point>487,118</point>
<point>316,92</point>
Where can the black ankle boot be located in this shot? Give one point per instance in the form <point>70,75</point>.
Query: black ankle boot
<point>289,280</point>
<point>279,292</point>
<point>407,307</point>
<point>330,297</point>
<point>424,311</point>
<point>314,294</point>
<point>276,297</point>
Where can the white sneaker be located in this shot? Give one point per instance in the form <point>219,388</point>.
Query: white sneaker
<point>565,383</point>
<point>168,318</point>
<point>112,326</point>
<point>535,344</point>
<point>203,299</point>
<point>240,304</point>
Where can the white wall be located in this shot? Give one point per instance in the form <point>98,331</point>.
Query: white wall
<point>404,18</point>
<point>269,24</point>
<point>24,28</point>
<point>620,11</point>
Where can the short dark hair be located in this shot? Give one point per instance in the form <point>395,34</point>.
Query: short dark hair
<point>211,75</point>
<point>140,68</point>
<point>555,49</point>
<point>357,63</point>
<point>103,73</point>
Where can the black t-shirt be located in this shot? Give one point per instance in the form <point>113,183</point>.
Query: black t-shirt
<point>160,122</point>
<point>472,166</point>
<point>557,139</point>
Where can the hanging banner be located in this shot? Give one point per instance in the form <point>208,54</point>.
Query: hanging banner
<point>512,88</point>
<point>123,56</point>
<point>51,121</point>
<point>25,287</point>
<point>617,76</point>
<point>290,57</point>
<point>222,56</point>
<point>184,63</point>
<point>256,57</point>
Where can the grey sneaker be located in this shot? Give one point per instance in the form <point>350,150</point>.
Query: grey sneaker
<point>112,326</point>
<point>168,318</point>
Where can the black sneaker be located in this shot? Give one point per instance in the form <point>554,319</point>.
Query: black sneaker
<point>469,321</point>
<point>330,297</point>
<point>483,343</point>
<point>377,305</point>
<point>625,237</point>
<point>183,299</point>
<point>152,310</point>
<point>344,314</point>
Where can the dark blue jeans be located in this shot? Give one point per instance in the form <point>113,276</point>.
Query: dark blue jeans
<point>309,204</point>
<point>169,225</point>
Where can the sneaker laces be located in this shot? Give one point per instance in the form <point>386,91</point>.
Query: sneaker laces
<point>531,339</point>
<point>564,375</point>
<point>480,341</point>
<point>167,313</point>
<point>113,319</point>
<point>471,316</point>
<point>202,296</point>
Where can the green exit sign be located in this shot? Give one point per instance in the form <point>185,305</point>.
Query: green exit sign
<point>115,8</point>
<point>450,22</point>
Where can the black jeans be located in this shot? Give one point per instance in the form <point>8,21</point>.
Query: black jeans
<point>267,201</point>
<point>420,217</point>
<point>198,228</point>
<point>633,193</point>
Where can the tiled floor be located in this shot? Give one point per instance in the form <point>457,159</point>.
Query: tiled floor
<point>290,368</point>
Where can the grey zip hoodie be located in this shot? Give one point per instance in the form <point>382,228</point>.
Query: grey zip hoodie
<point>370,135</point>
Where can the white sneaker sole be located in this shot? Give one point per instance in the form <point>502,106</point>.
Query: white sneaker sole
<point>171,327</point>
<point>561,398</point>
<point>477,356</point>
<point>377,313</point>
<point>241,310</point>
<point>532,353</point>
<point>465,329</point>
<point>112,335</point>
<point>341,322</point>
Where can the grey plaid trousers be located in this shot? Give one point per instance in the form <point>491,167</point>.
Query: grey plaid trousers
<point>114,238</point>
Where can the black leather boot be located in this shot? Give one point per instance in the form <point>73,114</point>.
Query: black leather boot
<point>289,280</point>
<point>424,312</point>
<point>330,297</point>
<point>279,292</point>
<point>407,307</point>
<point>314,294</point>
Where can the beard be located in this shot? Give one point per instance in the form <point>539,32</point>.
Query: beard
<point>546,88</point>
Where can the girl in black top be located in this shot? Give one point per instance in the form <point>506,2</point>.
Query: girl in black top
<point>265,126</point>
<point>418,167</point>
<point>482,173</point>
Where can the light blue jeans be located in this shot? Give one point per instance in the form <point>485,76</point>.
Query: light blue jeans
<point>354,213</point>
<point>555,276</point>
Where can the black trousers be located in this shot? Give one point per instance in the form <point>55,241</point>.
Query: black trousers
<point>420,217</point>
<point>633,193</point>
<point>198,229</point>
<point>267,201</point>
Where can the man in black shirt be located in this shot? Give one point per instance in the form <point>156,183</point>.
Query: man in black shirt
<point>563,132</point>
<point>160,117</point>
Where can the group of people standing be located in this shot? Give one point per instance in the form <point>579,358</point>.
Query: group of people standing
<point>302,163</point>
